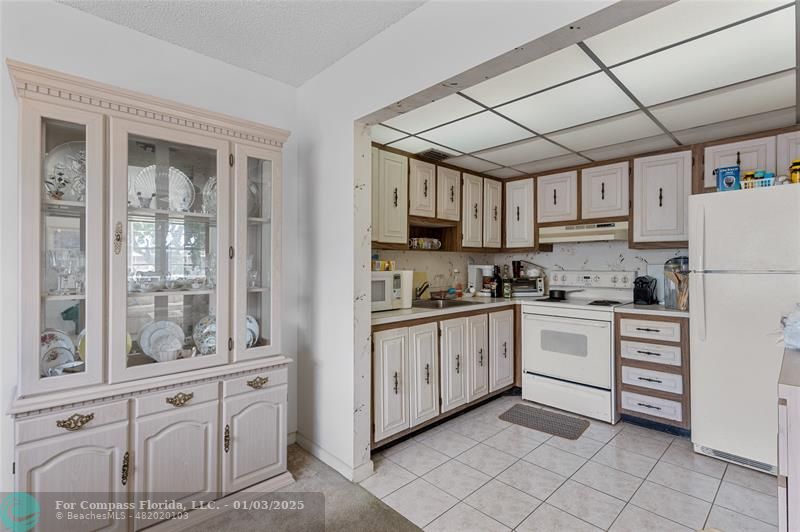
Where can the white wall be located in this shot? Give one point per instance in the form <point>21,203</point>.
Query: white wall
<point>433,43</point>
<point>65,39</point>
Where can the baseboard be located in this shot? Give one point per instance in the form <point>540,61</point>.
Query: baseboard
<point>352,474</point>
<point>291,438</point>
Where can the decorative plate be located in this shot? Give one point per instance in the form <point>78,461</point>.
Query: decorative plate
<point>252,330</point>
<point>181,189</point>
<point>55,349</point>
<point>205,335</point>
<point>209,195</point>
<point>65,172</point>
<point>164,345</point>
<point>148,330</point>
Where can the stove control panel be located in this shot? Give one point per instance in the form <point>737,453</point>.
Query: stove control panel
<point>592,279</point>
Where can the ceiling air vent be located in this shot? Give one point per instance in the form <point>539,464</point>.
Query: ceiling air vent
<point>434,155</point>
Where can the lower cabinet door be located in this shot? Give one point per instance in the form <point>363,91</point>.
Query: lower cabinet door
<point>424,381</point>
<point>177,455</point>
<point>390,384</point>
<point>253,437</point>
<point>453,356</point>
<point>84,462</point>
<point>478,349</point>
<point>501,349</point>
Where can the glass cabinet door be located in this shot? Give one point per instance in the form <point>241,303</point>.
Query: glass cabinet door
<point>61,248</point>
<point>170,264</point>
<point>257,250</point>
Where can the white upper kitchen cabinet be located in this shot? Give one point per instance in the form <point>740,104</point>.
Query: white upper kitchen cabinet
<point>421,189</point>
<point>453,374</point>
<point>501,349</point>
<point>390,198</point>
<point>753,154</point>
<point>423,345</point>
<point>604,191</point>
<point>492,213</point>
<point>520,214</point>
<point>448,194</point>
<point>788,151</point>
<point>661,188</point>
<point>472,225</point>
<point>478,356</point>
<point>557,197</point>
<point>390,383</point>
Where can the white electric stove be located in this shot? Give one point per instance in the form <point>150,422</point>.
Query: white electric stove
<point>568,344</point>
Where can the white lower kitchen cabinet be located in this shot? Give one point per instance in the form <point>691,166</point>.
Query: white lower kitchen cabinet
<point>478,356</point>
<point>254,432</point>
<point>424,371</point>
<point>454,363</point>
<point>389,383</point>
<point>501,349</point>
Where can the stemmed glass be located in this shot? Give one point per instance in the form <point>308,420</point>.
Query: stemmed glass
<point>252,271</point>
<point>60,261</point>
<point>79,265</point>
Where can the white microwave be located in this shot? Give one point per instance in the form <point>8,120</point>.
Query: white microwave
<point>392,290</point>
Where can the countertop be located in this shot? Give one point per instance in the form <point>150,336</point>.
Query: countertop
<point>481,303</point>
<point>790,368</point>
<point>653,310</point>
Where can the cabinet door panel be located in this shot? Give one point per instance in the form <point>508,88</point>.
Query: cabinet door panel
<point>661,186</point>
<point>604,191</point>
<point>478,356</point>
<point>788,151</point>
<point>557,197</point>
<point>255,429</point>
<point>492,213</point>
<point>501,349</point>
<point>392,185</point>
<point>448,194</point>
<point>472,225</point>
<point>390,386</point>
<point>519,214</point>
<point>424,372</point>
<point>754,154</point>
<point>422,189</point>
<point>454,362</point>
<point>80,462</point>
<point>176,455</point>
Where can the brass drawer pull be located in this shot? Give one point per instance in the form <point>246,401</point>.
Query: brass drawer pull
<point>126,462</point>
<point>180,399</point>
<point>75,421</point>
<point>258,382</point>
<point>227,438</point>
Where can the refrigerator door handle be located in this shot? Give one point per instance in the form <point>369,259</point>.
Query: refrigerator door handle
<point>699,237</point>
<point>700,305</point>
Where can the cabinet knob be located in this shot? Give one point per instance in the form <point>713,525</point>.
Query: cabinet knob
<point>75,421</point>
<point>227,438</point>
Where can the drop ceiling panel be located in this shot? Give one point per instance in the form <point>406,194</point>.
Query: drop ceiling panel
<point>553,163</point>
<point>756,48</point>
<point>739,126</point>
<point>521,152</point>
<point>416,145</point>
<point>581,101</point>
<point>768,94</point>
<point>672,24</point>
<point>484,130</point>
<point>612,131</point>
<point>634,147</point>
<point>384,135</point>
<point>558,67</point>
<point>471,163</point>
<point>433,114</point>
<point>504,173</point>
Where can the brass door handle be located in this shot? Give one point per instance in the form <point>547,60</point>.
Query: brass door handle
<point>227,438</point>
<point>180,399</point>
<point>75,421</point>
<point>258,382</point>
<point>126,461</point>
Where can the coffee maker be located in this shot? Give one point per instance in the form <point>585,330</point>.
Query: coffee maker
<point>475,277</point>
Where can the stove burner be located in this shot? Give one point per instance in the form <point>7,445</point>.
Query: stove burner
<point>604,302</point>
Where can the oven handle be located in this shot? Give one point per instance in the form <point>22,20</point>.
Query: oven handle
<point>582,321</point>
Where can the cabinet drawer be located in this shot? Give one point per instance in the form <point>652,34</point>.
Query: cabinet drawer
<point>653,406</point>
<point>657,380</point>
<point>660,354</point>
<point>255,381</point>
<point>178,397</point>
<point>668,331</point>
<point>85,418</point>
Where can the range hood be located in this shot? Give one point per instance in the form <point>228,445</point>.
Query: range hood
<point>584,233</point>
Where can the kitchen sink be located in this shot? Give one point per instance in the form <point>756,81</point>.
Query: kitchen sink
<point>443,303</point>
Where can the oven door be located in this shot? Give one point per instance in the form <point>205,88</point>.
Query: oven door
<point>381,292</point>
<point>571,349</point>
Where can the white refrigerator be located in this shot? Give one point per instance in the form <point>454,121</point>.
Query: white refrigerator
<point>744,257</point>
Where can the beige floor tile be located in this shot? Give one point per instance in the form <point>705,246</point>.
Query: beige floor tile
<point>449,442</point>
<point>532,434</point>
<point>547,518</point>
<point>475,429</point>
<point>457,479</point>
<point>531,479</point>
<point>396,448</point>
<point>387,478</point>
<point>512,443</point>
<point>634,442</point>
<point>486,459</point>
<point>503,503</point>
<point>728,520</point>
<point>633,519</point>
<point>419,458</point>
<point>420,502</point>
<point>748,502</point>
<point>556,460</point>
<point>624,460</point>
<point>681,479</point>
<point>586,503</point>
<point>749,478</point>
<point>608,480</point>
<point>681,452</point>
<point>673,505</point>
<point>583,446</point>
<point>602,432</point>
<point>647,433</point>
<point>463,518</point>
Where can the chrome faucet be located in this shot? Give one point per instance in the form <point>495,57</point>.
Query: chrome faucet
<point>421,289</point>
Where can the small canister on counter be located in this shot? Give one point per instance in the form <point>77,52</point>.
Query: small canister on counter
<point>676,283</point>
<point>794,171</point>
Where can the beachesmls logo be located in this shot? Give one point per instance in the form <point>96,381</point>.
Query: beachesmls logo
<point>19,512</point>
